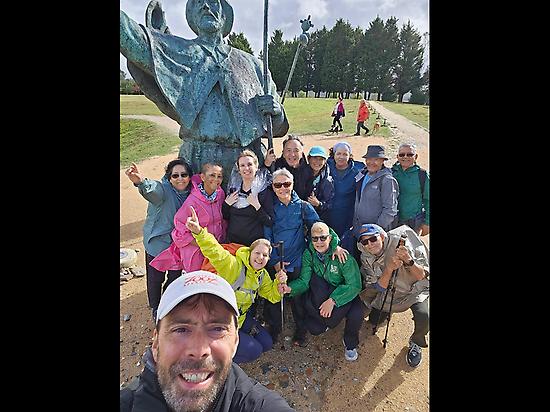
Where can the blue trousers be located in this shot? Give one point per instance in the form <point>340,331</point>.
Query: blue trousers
<point>253,341</point>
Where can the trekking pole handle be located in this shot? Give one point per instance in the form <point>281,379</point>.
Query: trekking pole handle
<point>390,284</point>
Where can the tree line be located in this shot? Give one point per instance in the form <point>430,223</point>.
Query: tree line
<point>381,62</point>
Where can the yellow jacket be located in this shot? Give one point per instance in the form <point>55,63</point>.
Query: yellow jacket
<point>229,267</point>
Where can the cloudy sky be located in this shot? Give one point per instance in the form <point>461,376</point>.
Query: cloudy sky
<point>285,15</point>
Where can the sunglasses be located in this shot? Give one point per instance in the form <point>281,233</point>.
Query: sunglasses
<point>175,175</point>
<point>366,240</point>
<point>405,154</point>
<point>279,185</point>
<point>319,238</point>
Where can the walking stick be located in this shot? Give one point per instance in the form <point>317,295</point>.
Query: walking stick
<point>281,248</point>
<point>391,285</point>
<point>302,42</point>
<point>266,85</point>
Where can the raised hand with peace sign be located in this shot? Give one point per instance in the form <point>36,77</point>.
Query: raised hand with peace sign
<point>192,222</point>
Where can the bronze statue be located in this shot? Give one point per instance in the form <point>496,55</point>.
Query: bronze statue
<point>214,91</point>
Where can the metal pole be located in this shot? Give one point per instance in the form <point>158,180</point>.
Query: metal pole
<point>291,72</point>
<point>266,85</point>
<point>281,256</point>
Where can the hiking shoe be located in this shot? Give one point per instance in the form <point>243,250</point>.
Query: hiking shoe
<point>300,339</point>
<point>414,355</point>
<point>356,134</point>
<point>351,354</point>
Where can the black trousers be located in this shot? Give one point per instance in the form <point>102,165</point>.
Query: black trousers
<point>319,291</point>
<point>336,119</point>
<point>361,125</point>
<point>155,280</point>
<point>272,311</point>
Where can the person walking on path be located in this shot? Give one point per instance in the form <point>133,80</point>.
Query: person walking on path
<point>362,116</point>
<point>337,113</point>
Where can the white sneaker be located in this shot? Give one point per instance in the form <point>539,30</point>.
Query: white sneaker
<point>351,354</point>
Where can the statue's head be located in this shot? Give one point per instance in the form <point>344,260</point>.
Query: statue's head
<point>209,16</point>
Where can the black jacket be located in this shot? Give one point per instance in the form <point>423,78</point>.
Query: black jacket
<point>240,393</point>
<point>247,224</point>
<point>302,176</point>
<point>324,192</point>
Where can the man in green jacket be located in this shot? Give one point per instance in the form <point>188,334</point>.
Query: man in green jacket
<point>332,289</point>
<point>413,202</point>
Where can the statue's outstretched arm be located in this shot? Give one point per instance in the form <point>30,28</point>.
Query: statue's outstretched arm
<point>134,44</point>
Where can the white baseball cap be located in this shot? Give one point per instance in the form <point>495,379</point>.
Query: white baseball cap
<point>193,283</point>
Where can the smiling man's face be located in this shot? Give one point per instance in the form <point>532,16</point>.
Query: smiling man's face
<point>193,349</point>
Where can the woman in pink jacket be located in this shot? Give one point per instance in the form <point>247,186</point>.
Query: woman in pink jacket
<point>207,198</point>
<point>362,117</point>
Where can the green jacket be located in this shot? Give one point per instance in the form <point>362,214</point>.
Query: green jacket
<point>411,201</point>
<point>229,268</point>
<point>346,277</point>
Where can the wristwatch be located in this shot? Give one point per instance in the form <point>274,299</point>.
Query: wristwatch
<point>409,263</point>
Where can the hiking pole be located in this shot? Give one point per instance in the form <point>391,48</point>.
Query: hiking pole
<point>385,341</point>
<point>302,42</point>
<point>390,286</point>
<point>281,248</point>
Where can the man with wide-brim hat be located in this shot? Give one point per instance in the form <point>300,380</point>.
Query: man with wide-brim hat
<point>376,193</point>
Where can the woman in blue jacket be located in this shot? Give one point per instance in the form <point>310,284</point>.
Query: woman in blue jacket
<point>343,170</point>
<point>165,197</point>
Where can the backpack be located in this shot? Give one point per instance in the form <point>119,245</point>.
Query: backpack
<point>422,177</point>
<point>237,285</point>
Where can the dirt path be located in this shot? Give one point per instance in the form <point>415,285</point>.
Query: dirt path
<point>314,378</point>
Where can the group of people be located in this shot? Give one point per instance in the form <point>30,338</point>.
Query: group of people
<point>320,207</point>
<point>339,222</point>
<point>339,111</point>
<point>315,229</point>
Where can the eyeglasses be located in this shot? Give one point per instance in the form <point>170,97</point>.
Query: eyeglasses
<point>175,175</point>
<point>321,238</point>
<point>405,154</point>
<point>279,185</point>
<point>366,240</point>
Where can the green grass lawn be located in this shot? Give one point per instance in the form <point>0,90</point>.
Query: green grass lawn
<point>138,104</point>
<point>140,140</point>
<point>312,116</point>
<point>416,113</point>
